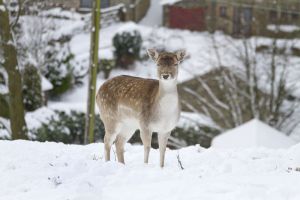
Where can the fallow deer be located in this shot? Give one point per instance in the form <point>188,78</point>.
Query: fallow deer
<point>128,103</point>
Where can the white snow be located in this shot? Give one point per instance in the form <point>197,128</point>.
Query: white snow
<point>3,89</point>
<point>113,8</point>
<point>33,170</point>
<point>60,13</point>
<point>36,118</point>
<point>2,8</point>
<point>5,123</point>
<point>169,2</point>
<point>46,84</point>
<point>4,133</point>
<point>252,134</point>
<point>154,14</point>
<point>128,27</point>
<point>283,28</point>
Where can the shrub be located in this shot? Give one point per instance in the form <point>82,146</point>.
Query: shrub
<point>60,66</point>
<point>4,111</point>
<point>106,66</point>
<point>127,48</point>
<point>295,51</point>
<point>2,79</point>
<point>32,88</point>
<point>195,135</point>
<point>4,107</point>
<point>4,134</point>
<point>185,136</point>
<point>67,128</point>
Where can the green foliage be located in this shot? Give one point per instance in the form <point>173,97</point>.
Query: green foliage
<point>32,88</point>
<point>4,107</point>
<point>67,128</point>
<point>2,79</point>
<point>4,134</point>
<point>59,66</point>
<point>127,48</point>
<point>295,51</point>
<point>195,135</point>
<point>4,111</point>
<point>106,65</point>
<point>189,135</point>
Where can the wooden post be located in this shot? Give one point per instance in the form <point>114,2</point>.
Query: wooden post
<point>90,115</point>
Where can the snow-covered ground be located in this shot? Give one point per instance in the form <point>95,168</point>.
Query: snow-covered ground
<point>283,28</point>
<point>33,170</point>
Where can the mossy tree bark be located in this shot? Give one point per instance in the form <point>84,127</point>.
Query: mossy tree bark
<point>16,107</point>
<point>90,116</point>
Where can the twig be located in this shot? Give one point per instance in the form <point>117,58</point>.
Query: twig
<point>179,161</point>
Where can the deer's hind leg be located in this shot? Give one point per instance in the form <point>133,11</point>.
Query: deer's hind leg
<point>109,138</point>
<point>124,135</point>
<point>120,143</point>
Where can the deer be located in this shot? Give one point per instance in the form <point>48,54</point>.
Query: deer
<point>128,103</point>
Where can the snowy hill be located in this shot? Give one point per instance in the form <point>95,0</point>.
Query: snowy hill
<point>32,170</point>
<point>254,133</point>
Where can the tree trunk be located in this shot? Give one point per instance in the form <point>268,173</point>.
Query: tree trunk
<point>16,107</point>
<point>90,116</point>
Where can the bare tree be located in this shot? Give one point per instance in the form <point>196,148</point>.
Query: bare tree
<point>256,84</point>
<point>10,64</point>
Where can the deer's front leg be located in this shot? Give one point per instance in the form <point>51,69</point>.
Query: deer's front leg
<point>162,142</point>
<point>146,137</point>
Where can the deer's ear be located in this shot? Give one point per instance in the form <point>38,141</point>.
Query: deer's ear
<point>153,54</point>
<point>180,54</point>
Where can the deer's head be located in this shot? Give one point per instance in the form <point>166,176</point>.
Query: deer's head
<point>167,63</point>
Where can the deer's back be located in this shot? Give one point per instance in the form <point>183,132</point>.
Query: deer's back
<point>127,94</point>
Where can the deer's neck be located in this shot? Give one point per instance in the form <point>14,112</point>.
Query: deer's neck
<point>167,96</point>
<point>167,87</point>
<point>166,113</point>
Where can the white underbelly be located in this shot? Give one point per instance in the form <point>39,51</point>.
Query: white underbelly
<point>130,123</point>
<point>127,120</point>
<point>164,125</point>
<point>126,127</point>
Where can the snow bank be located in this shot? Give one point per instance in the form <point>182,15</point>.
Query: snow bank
<point>33,170</point>
<point>3,89</point>
<point>36,118</point>
<point>2,8</point>
<point>46,84</point>
<point>283,28</point>
<point>60,13</point>
<point>253,134</point>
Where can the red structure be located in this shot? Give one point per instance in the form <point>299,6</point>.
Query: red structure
<point>187,18</point>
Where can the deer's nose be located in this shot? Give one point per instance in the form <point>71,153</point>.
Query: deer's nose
<point>165,76</point>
